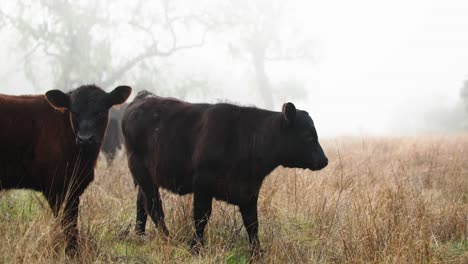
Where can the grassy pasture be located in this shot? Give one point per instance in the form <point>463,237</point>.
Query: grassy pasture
<point>380,200</point>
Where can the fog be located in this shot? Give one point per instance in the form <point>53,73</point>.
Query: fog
<point>358,67</point>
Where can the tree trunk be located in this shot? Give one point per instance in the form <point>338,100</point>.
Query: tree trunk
<point>263,82</point>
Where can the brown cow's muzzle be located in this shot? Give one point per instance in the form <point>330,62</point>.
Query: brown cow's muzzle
<point>86,140</point>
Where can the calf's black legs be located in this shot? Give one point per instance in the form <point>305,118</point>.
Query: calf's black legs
<point>153,207</point>
<point>149,203</point>
<point>141,215</point>
<point>250,218</point>
<point>201,214</point>
<point>148,199</point>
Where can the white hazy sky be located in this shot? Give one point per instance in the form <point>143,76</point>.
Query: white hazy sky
<point>377,59</point>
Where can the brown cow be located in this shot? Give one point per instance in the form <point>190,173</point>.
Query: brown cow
<point>215,151</point>
<point>50,144</point>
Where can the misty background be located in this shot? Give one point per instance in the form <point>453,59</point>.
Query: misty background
<point>358,67</point>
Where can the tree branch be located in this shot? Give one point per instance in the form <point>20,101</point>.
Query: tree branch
<point>153,50</point>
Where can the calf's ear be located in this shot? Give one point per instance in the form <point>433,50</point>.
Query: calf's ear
<point>289,112</point>
<point>119,95</point>
<point>58,99</point>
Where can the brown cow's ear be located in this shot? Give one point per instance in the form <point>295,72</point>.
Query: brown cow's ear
<point>119,95</point>
<point>58,99</point>
<point>289,112</point>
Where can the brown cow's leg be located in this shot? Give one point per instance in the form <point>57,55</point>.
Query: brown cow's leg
<point>54,204</point>
<point>201,214</point>
<point>250,218</point>
<point>69,219</point>
<point>69,223</point>
<point>141,214</point>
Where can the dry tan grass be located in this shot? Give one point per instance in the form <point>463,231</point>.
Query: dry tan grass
<point>381,200</point>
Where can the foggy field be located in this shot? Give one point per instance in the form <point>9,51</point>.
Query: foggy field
<point>386,200</point>
<point>394,71</point>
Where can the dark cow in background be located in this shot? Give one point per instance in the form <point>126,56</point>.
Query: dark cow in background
<point>50,144</point>
<point>220,151</point>
<point>113,140</point>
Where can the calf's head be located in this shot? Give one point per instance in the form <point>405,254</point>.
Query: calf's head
<point>88,108</point>
<point>299,140</point>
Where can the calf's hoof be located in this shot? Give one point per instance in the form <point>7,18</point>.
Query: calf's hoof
<point>196,247</point>
<point>139,232</point>
<point>71,249</point>
<point>257,253</point>
<point>163,229</point>
<point>140,229</point>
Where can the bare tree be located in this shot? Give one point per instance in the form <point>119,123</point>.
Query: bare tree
<point>262,36</point>
<point>75,39</point>
<point>464,95</point>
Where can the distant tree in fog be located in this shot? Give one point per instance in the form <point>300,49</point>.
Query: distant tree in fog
<point>80,40</point>
<point>464,95</point>
<point>259,33</point>
<point>464,98</point>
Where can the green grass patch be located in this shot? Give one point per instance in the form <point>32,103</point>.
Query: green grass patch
<point>20,204</point>
<point>123,248</point>
<point>238,255</point>
<point>456,250</point>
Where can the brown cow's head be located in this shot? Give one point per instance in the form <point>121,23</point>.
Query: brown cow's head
<point>88,107</point>
<point>302,148</point>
